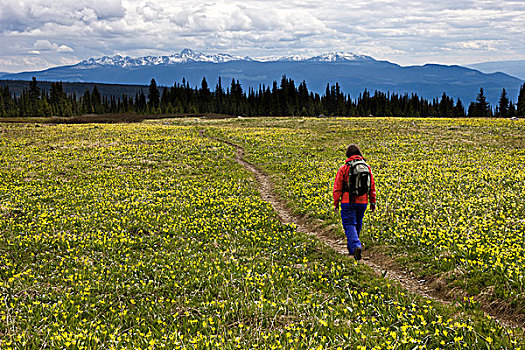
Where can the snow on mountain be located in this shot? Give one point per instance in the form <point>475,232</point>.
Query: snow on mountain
<point>184,56</point>
<point>188,55</point>
<point>293,58</point>
<point>340,56</point>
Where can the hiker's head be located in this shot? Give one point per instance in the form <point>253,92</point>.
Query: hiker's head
<point>353,150</point>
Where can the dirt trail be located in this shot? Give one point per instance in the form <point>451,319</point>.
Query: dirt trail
<point>374,261</point>
<point>339,245</point>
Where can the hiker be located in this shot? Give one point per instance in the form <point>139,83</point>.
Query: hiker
<point>354,186</point>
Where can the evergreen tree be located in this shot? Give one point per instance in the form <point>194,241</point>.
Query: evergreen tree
<point>205,97</point>
<point>512,110</point>
<point>266,103</point>
<point>274,100</point>
<point>471,109</point>
<point>141,102</point>
<point>303,99</point>
<point>459,110</point>
<point>219,97</point>
<point>96,101</point>
<point>503,106</point>
<point>58,100</point>
<point>7,103</point>
<point>236,97</point>
<point>446,106</point>
<point>481,107</point>
<point>327,101</point>
<point>32,103</point>
<point>165,101</point>
<point>153,95</point>
<point>520,105</point>
<point>34,90</point>
<point>177,107</point>
<point>87,107</point>
<point>340,101</point>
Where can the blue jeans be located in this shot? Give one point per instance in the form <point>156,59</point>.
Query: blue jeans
<point>352,216</point>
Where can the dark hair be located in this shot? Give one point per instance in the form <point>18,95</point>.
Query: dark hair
<point>353,150</point>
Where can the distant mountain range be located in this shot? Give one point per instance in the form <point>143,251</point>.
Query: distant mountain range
<point>354,73</point>
<point>514,68</point>
<point>189,56</point>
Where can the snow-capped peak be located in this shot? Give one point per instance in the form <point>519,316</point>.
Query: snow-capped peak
<point>188,55</point>
<point>293,58</point>
<point>340,56</point>
<point>188,52</point>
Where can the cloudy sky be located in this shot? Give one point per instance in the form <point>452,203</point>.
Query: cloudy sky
<point>38,34</point>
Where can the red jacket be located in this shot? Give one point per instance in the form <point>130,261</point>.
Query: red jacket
<point>342,176</point>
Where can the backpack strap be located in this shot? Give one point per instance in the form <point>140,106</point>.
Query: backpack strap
<point>345,188</point>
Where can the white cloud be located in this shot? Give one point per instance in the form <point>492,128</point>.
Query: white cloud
<point>46,45</point>
<point>64,48</point>
<point>487,45</point>
<point>412,31</point>
<point>24,15</point>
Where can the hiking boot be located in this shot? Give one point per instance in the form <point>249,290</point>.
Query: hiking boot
<point>357,253</point>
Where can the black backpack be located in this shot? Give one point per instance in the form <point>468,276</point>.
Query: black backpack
<point>359,178</point>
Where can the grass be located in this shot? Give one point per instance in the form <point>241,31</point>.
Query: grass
<point>108,118</point>
<point>450,192</point>
<point>150,236</point>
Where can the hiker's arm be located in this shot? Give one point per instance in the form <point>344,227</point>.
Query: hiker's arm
<point>338,188</point>
<point>372,193</point>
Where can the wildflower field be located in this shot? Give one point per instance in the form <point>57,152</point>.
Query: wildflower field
<point>451,193</point>
<point>152,236</point>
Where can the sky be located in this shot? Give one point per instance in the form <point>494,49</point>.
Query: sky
<point>39,34</point>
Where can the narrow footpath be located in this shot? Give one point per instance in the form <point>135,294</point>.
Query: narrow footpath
<point>285,215</point>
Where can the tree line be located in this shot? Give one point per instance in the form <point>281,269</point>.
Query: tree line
<point>284,99</point>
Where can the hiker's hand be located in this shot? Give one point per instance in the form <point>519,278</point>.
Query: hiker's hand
<point>372,207</point>
<point>336,209</point>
